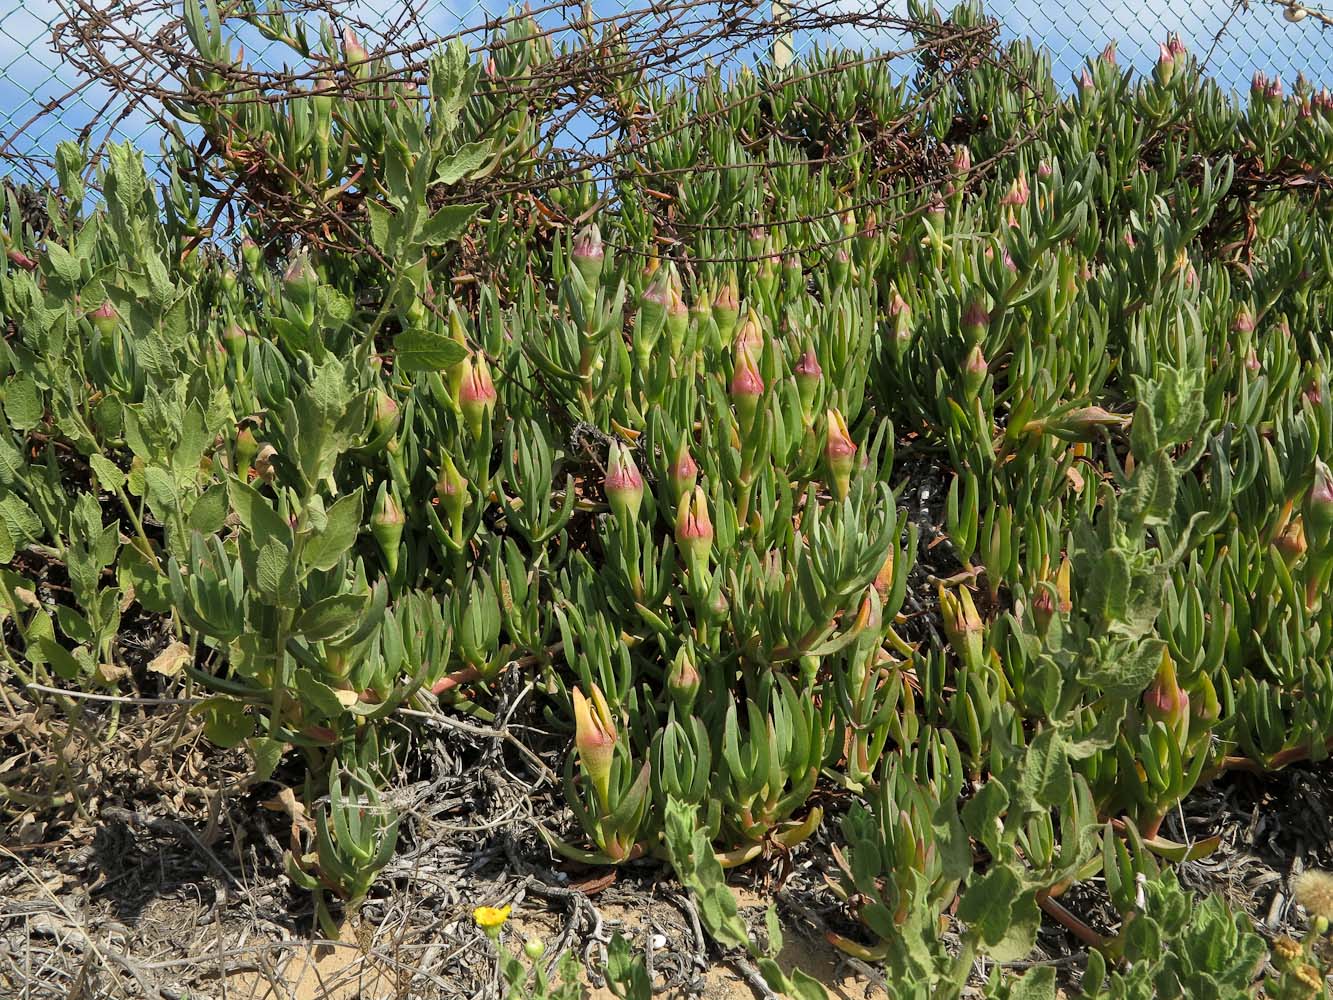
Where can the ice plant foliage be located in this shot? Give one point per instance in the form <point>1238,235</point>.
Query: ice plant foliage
<point>663,462</point>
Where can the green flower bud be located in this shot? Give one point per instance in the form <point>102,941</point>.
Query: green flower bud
<point>451,490</point>
<point>386,524</point>
<point>727,309</point>
<point>683,682</point>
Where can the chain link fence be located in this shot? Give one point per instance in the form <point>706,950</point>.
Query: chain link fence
<point>44,101</point>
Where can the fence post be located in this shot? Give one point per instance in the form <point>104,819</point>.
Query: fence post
<point>781,38</point>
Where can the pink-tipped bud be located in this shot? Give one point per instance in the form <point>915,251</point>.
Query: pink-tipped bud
<point>595,739</point>
<point>451,490</point>
<point>677,320</point>
<point>747,388</point>
<point>1108,54</point>
<point>694,531</point>
<point>355,53</point>
<point>749,337</point>
<point>975,321</point>
<point>808,376</point>
<point>962,160</point>
<point>683,474</point>
<point>623,484</point>
<point>653,304</point>
<point>1085,81</point>
<point>727,309</point>
<point>105,319</point>
<point>1044,171</point>
<point>900,314</point>
<point>839,454</point>
<point>1318,510</point>
<point>244,451</point>
<point>974,371</point>
<point>589,254</point>
<point>1244,321</point>
<point>476,396</point>
<point>1166,701</point>
<point>683,681</point>
<point>384,416</point>
<point>1252,364</point>
<point>1018,192</point>
<point>234,339</point>
<point>300,279</point>
<point>1043,607</point>
<point>20,259</point>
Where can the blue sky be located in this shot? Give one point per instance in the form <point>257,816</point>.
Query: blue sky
<point>31,74</point>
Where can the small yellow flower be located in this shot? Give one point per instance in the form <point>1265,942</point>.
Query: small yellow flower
<point>491,918</point>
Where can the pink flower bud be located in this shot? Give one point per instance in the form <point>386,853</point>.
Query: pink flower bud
<point>355,53</point>
<point>694,530</point>
<point>726,309</point>
<point>623,484</point>
<point>683,681</point>
<point>20,259</point>
<point>589,255</point>
<point>683,474</point>
<point>595,739</point>
<point>839,454</point>
<point>1018,192</point>
<point>105,319</point>
<point>1166,701</point>
<point>1085,80</point>
<point>974,371</point>
<point>476,396</point>
<point>451,490</point>
<point>808,375</point>
<point>1108,54</point>
<point>1244,321</point>
<point>747,388</point>
<point>1318,509</point>
<point>975,320</point>
<point>384,419</point>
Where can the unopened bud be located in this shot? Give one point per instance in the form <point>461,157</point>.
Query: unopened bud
<point>747,388</point>
<point>355,53</point>
<point>589,255</point>
<point>962,624</point>
<point>694,530</point>
<point>975,321</point>
<point>683,474</point>
<point>477,396</point>
<point>1166,701</point>
<point>683,681</point>
<point>105,319</point>
<point>808,375</point>
<point>20,259</point>
<point>726,309</point>
<point>451,489</point>
<point>623,485</point>
<point>595,739</point>
<point>386,524</point>
<point>839,454</point>
<point>384,420</point>
<point>1318,510</point>
<point>974,371</point>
